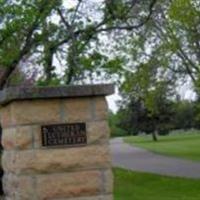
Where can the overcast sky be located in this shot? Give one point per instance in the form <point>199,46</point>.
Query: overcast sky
<point>112,99</point>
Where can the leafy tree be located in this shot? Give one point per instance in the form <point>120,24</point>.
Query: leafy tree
<point>172,114</point>
<point>49,34</point>
<point>163,54</point>
<point>149,114</point>
<point>184,114</point>
<point>114,120</point>
<point>171,40</point>
<point>151,88</point>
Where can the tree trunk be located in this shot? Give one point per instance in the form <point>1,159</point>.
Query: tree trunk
<point>154,135</point>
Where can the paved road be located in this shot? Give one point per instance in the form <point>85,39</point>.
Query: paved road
<point>138,159</point>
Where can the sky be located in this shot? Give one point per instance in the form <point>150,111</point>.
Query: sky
<point>112,101</point>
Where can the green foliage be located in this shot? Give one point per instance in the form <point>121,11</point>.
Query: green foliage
<point>146,105</point>
<point>114,120</point>
<point>51,82</point>
<point>163,53</point>
<point>178,12</point>
<point>169,44</point>
<point>19,19</point>
<point>56,36</point>
<point>157,113</point>
<point>184,115</point>
<point>138,119</point>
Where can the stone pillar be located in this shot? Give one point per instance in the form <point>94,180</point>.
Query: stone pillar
<point>36,171</point>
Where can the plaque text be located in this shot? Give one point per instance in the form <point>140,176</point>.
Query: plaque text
<point>73,134</point>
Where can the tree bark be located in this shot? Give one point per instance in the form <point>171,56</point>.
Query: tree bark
<point>154,135</point>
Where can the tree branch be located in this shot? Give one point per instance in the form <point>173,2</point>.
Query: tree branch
<point>97,28</point>
<point>25,49</point>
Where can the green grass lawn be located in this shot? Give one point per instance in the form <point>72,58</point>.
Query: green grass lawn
<point>143,186</point>
<point>179,145</point>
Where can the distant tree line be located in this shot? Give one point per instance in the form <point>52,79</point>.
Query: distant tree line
<point>135,118</point>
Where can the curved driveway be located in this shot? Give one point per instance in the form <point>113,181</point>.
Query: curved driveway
<point>138,159</point>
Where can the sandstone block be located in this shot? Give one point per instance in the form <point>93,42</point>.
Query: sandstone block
<point>57,160</point>
<point>5,114</point>
<point>98,132</point>
<point>101,197</point>
<point>77,110</point>
<point>37,139</point>
<point>108,181</point>
<point>6,160</point>
<point>8,138</point>
<point>76,184</point>
<point>18,187</point>
<point>31,112</point>
<point>101,108</point>
<point>17,138</point>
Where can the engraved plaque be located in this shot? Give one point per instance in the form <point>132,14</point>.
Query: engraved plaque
<point>73,134</point>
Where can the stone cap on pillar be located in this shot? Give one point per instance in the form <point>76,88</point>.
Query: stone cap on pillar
<point>30,93</point>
